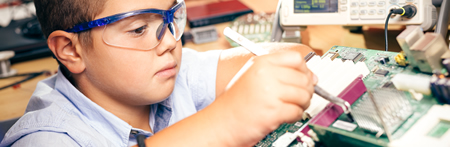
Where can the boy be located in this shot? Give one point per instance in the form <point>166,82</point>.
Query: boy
<point>123,76</point>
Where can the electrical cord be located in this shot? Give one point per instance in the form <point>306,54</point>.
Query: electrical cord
<point>385,31</point>
<point>30,76</point>
<point>407,11</point>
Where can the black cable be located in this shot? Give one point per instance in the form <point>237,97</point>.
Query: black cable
<point>407,11</point>
<point>385,30</point>
<point>30,76</point>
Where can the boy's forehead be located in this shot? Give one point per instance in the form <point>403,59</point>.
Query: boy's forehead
<point>112,7</point>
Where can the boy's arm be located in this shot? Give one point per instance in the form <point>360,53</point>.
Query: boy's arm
<point>232,60</point>
<point>275,89</point>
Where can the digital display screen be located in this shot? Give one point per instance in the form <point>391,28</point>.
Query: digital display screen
<point>315,6</point>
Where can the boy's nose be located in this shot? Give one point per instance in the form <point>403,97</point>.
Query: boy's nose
<point>168,43</point>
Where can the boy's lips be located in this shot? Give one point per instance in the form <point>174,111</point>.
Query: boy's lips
<point>168,70</point>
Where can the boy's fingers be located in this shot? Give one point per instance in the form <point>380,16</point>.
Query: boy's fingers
<point>291,113</point>
<point>287,59</point>
<point>293,77</point>
<point>297,96</point>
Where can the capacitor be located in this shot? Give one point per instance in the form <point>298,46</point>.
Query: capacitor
<point>382,60</point>
<point>446,63</point>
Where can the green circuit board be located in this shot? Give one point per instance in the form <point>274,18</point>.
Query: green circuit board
<point>331,136</point>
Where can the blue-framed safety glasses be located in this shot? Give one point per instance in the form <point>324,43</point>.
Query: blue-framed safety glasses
<point>140,29</point>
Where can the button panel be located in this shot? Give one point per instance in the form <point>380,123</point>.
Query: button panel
<point>369,9</point>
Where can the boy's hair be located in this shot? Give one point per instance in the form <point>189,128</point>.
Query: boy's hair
<point>63,14</point>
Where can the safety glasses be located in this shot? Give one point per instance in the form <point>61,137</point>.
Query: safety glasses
<point>140,29</point>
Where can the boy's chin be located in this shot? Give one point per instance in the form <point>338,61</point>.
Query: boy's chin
<point>158,96</point>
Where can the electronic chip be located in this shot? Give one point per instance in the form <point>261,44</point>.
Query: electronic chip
<point>381,72</point>
<point>354,56</point>
<point>388,85</point>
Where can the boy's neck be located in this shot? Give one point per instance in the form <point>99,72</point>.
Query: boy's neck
<point>136,116</point>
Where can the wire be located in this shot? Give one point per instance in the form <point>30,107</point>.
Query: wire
<point>30,76</point>
<point>385,30</point>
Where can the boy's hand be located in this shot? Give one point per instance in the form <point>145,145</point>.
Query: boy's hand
<point>275,88</point>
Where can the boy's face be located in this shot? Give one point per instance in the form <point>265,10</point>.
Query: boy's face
<point>135,77</point>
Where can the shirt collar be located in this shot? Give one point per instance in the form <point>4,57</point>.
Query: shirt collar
<point>106,123</point>
<point>114,128</point>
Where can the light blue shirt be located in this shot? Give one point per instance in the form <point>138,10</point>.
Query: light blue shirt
<point>60,115</point>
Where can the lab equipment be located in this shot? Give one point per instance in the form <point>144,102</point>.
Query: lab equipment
<point>353,12</point>
<point>200,35</point>
<point>256,27</point>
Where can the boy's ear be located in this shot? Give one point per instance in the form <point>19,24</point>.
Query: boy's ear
<point>65,46</point>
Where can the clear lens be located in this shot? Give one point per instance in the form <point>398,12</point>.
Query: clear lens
<point>180,21</point>
<point>144,30</point>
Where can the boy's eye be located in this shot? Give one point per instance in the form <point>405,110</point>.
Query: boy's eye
<point>139,31</point>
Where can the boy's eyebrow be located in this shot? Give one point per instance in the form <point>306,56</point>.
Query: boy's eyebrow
<point>174,2</point>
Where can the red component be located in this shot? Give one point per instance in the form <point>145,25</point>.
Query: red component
<point>17,86</point>
<point>8,4</point>
<point>47,73</point>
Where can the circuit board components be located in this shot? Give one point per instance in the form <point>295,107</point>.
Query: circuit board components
<point>418,82</point>
<point>431,130</point>
<point>331,55</point>
<point>334,76</point>
<point>257,27</point>
<point>440,86</point>
<point>400,59</point>
<point>393,106</point>
<point>382,59</point>
<point>353,56</point>
<point>401,93</point>
<point>381,72</point>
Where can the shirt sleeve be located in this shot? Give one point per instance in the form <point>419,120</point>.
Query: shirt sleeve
<point>201,75</point>
<point>45,139</point>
